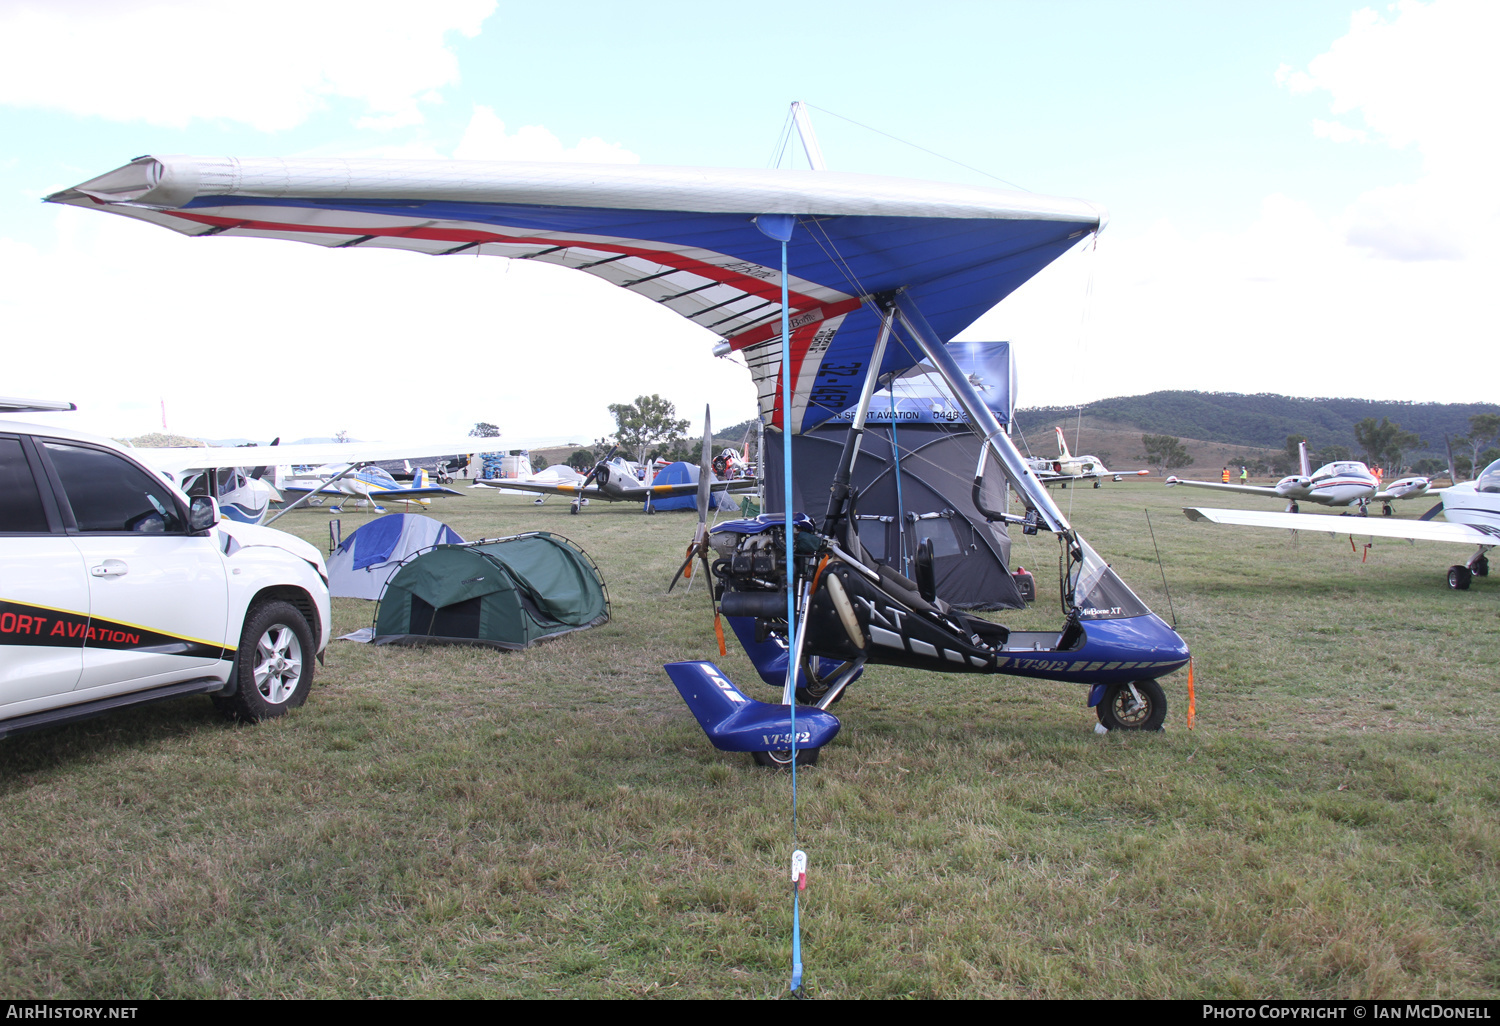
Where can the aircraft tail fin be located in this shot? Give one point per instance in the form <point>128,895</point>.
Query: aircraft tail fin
<point>1306,464</point>
<point>1062,445</point>
<point>419,479</point>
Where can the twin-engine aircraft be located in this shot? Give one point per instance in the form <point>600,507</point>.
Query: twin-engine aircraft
<point>1341,483</point>
<point>1471,509</point>
<point>614,480</point>
<point>1068,467</point>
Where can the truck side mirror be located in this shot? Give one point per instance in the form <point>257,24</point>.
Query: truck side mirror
<point>203,513</point>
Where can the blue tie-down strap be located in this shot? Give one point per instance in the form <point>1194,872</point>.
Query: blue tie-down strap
<point>736,723</point>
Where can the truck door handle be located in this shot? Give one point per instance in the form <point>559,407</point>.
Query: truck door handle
<point>110,568</point>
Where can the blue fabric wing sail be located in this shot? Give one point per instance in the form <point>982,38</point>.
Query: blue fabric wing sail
<point>683,237</point>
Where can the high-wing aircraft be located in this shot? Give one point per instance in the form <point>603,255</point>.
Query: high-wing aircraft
<point>1341,483</point>
<point>237,474</point>
<point>1068,467</point>
<point>1471,509</point>
<point>825,283</point>
<point>613,480</point>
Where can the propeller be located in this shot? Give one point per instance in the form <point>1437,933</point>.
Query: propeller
<point>260,472</point>
<point>592,474</point>
<point>1452,474</point>
<point>698,547</point>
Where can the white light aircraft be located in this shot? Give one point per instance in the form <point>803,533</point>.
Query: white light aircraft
<point>1068,467</point>
<point>365,485</point>
<point>1341,483</point>
<point>1471,509</point>
<point>243,494</point>
<point>613,480</point>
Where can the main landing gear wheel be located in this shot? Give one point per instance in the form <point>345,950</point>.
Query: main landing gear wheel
<point>1386,511</point>
<point>573,509</point>
<point>1459,577</point>
<point>273,668</point>
<point>1480,567</point>
<point>1120,710</point>
<point>783,759</point>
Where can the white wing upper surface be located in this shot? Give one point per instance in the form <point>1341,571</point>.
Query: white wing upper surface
<point>1416,530</point>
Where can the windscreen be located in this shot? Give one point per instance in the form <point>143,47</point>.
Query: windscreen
<point>1098,592</point>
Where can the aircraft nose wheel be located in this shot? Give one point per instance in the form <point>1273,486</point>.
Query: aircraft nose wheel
<point>783,759</point>
<point>1121,710</point>
<point>1459,577</point>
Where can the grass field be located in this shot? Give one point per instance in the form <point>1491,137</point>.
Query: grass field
<point>464,823</point>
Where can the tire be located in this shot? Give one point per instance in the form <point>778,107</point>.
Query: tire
<point>1120,711</point>
<point>783,759</point>
<point>1459,578</point>
<point>273,669</point>
<point>1480,567</point>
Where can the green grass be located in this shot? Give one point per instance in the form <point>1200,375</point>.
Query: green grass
<point>466,823</point>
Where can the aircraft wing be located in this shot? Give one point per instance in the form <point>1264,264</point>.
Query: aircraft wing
<point>684,237</point>
<point>177,460</point>
<point>430,491</point>
<point>1247,489</point>
<point>1379,527</point>
<point>515,485</point>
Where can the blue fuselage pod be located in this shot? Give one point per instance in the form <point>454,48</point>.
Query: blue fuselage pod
<point>769,657</point>
<point>1114,651</point>
<point>737,723</point>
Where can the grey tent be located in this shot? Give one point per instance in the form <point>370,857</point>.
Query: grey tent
<point>928,493</point>
<point>507,593</point>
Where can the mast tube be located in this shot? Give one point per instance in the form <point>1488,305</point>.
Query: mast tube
<point>839,491</point>
<point>983,418</point>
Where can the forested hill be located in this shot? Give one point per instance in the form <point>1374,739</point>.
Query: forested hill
<point>1264,419</point>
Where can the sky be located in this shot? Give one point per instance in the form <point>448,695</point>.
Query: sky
<point>1299,195</point>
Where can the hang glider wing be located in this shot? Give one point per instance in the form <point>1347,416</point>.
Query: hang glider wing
<point>682,237</point>
<point>176,461</point>
<point>1382,527</point>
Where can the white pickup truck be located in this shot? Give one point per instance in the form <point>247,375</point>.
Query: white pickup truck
<point>116,589</point>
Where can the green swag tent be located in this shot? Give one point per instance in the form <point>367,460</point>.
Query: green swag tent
<point>508,593</point>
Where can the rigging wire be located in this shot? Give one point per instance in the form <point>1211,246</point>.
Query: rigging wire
<point>779,151</point>
<point>906,142</point>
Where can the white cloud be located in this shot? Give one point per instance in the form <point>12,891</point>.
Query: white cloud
<point>1422,76</point>
<point>1288,306</point>
<point>485,139</point>
<point>1337,131</point>
<point>270,66</point>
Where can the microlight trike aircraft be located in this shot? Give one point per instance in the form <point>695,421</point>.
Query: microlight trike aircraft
<point>826,283</point>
